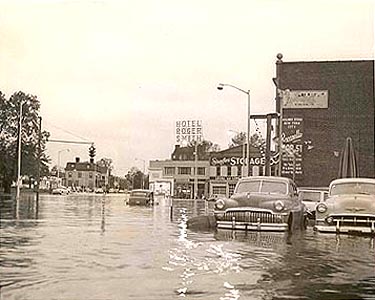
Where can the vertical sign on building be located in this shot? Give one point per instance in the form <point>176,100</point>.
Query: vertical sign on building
<point>292,138</point>
<point>188,131</point>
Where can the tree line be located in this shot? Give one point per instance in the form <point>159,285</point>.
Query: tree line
<point>21,109</point>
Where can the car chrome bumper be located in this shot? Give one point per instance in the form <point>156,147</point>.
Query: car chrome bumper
<point>340,227</point>
<point>251,226</point>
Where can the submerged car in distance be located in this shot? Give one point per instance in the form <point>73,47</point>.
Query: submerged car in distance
<point>62,190</point>
<point>141,197</point>
<point>311,198</point>
<point>262,203</point>
<point>349,208</point>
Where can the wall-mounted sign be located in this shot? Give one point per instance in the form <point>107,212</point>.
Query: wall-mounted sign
<point>188,131</point>
<point>240,161</point>
<point>292,138</point>
<point>304,99</point>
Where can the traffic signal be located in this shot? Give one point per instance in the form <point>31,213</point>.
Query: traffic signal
<point>92,151</point>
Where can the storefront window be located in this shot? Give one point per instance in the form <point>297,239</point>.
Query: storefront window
<point>218,172</point>
<point>169,171</point>
<point>184,170</point>
<point>229,171</point>
<point>201,171</point>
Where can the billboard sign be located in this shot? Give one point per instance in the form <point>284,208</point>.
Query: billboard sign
<point>304,98</point>
<point>292,138</point>
<point>188,131</point>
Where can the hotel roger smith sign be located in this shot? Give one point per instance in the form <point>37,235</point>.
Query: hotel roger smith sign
<point>188,131</point>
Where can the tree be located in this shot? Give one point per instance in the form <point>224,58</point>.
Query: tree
<point>9,130</point>
<point>204,148</point>
<point>238,140</point>
<point>256,140</point>
<point>135,178</point>
<point>106,163</point>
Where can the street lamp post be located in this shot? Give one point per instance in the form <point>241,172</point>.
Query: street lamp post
<point>58,163</point>
<point>243,153</point>
<point>19,153</point>
<point>220,87</point>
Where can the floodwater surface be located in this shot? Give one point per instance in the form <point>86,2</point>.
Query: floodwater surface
<point>96,247</point>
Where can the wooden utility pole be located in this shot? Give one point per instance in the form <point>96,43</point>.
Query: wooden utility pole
<point>39,159</point>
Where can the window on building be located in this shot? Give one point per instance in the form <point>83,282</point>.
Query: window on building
<point>70,174</point>
<point>219,189</point>
<point>79,174</point>
<point>169,170</point>
<point>231,189</point>
<point>229,171</point>
<point>218,171</point>
<point>91,175</point>
<point>184,170</point>
<point>201,171</point>
<point>239,171</point>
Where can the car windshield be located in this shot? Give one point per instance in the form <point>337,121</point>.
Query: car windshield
<point>139,194</point>
<point>353,188</point>
<point>273,187</point>
<point>262,186</point>
<point>248,186</point>
<point>310,196</point>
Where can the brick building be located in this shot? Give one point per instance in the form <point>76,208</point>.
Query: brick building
<point>324,103</point>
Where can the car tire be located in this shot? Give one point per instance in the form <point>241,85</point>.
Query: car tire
<point>305,222</point>
<point>290,223</point>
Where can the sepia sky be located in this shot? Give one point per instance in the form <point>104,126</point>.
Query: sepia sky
<point>120,73</point>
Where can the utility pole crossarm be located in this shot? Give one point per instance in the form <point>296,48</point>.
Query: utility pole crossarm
<point>69,142</point>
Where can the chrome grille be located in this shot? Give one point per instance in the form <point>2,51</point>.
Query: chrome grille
<point>251,217</point>
<point>354,220</point>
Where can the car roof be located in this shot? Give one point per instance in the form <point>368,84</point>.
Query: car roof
<point>273,178</point>
<point>353,180</point>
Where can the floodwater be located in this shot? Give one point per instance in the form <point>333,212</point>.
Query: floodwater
<point>96,247</point>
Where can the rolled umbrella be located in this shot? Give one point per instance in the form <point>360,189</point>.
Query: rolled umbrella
<point>348,167</point>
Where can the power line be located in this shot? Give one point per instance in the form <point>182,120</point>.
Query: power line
<point>69,132</point>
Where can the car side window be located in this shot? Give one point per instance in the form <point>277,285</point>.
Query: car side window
<point>294,190</point>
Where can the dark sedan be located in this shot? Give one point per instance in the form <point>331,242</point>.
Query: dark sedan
<point>141,197</point>
<point>262,203</point>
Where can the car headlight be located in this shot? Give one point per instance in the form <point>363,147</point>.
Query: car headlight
<point>279,206</point>
<point>220,204</point>
<point>322,208</point>
<point>329,220</point>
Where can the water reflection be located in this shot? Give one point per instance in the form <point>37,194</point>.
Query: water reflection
<point>96,247</point>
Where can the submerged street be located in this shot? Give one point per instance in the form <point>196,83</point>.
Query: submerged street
<point>87,246</point>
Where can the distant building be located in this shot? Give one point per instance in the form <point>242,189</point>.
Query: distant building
<point>176,176</point>
<point>323,104</point>
<point>85,175</point>
<point>217,172</point>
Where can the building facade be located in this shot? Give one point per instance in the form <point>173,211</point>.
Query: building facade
<point>85,175</point>
<point>177,176</point>
<point>229,165</point>
<point>323,103</point>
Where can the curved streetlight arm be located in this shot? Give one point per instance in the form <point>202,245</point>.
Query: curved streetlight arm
<point>222,85</point>
<point>248,116</point>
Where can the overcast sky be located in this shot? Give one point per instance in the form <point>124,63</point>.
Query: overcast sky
<point>120,73</point>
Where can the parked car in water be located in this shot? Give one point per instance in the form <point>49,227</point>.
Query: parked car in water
<point>262,203</point>
<point>349,208</point>
<point>214,197</point>
<point>62,190</point>
<point>99,191</point>
<point>311,198</point>
<point>141,197</point>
